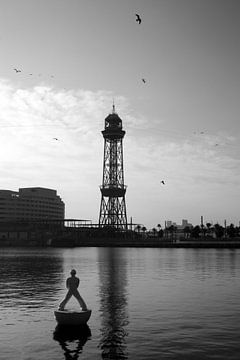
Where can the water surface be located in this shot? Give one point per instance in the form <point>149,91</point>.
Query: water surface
<point>147,303</point>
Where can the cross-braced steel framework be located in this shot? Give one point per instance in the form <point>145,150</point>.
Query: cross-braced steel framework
<point>113,206</point>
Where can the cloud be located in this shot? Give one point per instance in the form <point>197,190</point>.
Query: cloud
<point>201,178</point>
<point>31,118</point>
<point>196,170</point>
<point>183,159</point>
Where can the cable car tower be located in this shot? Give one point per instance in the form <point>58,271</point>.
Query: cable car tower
<point>113,206</point>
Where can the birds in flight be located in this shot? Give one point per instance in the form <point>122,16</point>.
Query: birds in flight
<point>138,19</point>
<point>19,71</point>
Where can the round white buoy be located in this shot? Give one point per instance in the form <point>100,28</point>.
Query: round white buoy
<point>67,317</point>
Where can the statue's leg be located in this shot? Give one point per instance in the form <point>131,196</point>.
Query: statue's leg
<point>65,300</point>
<point>80,300</point>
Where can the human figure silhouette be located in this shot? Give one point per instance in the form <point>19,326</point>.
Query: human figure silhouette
<point>72,284</point>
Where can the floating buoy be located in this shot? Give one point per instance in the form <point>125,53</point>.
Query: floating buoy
<point>68,317</point>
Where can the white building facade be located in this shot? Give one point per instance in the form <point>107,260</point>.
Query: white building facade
<point>34,203</point>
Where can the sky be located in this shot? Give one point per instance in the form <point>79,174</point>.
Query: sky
<point>182,125</point>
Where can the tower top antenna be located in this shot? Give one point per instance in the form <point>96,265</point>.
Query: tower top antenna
<point>113,108</point>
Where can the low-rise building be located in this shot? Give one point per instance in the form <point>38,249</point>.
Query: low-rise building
<point>184,224</point>
<point>34,203</point>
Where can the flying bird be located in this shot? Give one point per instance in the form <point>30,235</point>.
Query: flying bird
<point>17,70</point>
<point>55,139</point>
<point>144,81</point>
<point>163,182</point>
<point>138,19</point>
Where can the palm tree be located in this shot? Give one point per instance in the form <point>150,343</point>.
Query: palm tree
<point>219,231</point>
<point>172,229</point>
<point>231,231</point>
<point>138,228</point>
<point>187,231</point>
<point>196,231</point>
<point>154,230</point>
<point>144,229</point>
<point>160,230</point>
<point>208,225</point>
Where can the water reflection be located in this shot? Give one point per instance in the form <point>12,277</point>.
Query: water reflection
<point>206,262</point>
<point>30,278</point>
<point>72,339</point>
<point>113,303</point>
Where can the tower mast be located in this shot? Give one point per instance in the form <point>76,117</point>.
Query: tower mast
<point>113,206</point>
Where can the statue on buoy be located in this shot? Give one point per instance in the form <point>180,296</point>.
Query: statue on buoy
<point>72,284</point>
<point>68,317</point>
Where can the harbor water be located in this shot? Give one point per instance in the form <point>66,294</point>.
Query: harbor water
<point>147,303</point>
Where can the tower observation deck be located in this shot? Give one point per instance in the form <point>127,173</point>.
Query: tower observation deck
<point>113,206</point>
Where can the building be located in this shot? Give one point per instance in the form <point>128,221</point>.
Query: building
<point>169,223</point>
<point>184,224</point>
<point>34,203</point>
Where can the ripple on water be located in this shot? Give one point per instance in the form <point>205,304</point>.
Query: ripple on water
<point>148,304</point>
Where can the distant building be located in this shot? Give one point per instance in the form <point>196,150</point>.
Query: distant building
<point>168,223</point>
<point>34,203</point>
<point>185,223</point>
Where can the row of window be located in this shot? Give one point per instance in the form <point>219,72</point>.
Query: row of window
<point>53,201</point>
<point>31,208</point>
<point>37,211</point>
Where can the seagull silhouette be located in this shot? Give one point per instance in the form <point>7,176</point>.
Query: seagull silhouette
<point>17,70</point>
<point>138,19</point>
<point>163,182</point>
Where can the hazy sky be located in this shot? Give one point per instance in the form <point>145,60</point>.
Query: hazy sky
<point>182,125</point>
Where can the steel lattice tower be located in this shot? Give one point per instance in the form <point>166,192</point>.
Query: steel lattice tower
<point>113,206</point>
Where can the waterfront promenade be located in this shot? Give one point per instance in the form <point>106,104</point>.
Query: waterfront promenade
<point>160,243</point>
<point>74,233</point>
<point>140,242</point>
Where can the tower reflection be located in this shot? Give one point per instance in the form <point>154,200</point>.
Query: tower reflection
<point>72,339</point>
<point>113,303</point>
